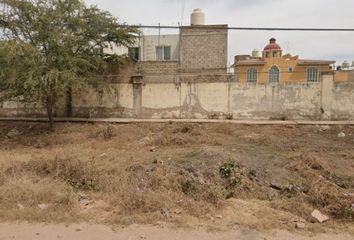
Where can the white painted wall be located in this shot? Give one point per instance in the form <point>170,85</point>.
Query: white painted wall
<point>148,46</point>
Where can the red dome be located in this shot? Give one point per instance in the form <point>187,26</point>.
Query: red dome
<point>272,45</point>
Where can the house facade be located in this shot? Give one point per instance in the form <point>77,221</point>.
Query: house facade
<point>197,53</point>
<point>272,66</point>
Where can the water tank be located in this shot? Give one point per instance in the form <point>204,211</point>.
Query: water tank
<point>345,64</point>
<point>256,53</point>
<point>197,17</point>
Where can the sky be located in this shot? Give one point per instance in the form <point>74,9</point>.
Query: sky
<point>337,46</point>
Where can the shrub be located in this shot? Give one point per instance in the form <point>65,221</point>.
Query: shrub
<point>105,132</point>
<point>80,174</point>
<point>228,169</point>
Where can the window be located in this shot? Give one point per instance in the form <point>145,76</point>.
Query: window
<point>274,74</point>
<point>267,54</point>
<point>163,53</point>
<point>134,53</point>
<point>252,75</point>
<point>313,74</point>
<point>274,54</point>
<point>291,70</point>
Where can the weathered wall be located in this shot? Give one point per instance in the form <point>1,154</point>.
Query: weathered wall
<point>343,101</point>
<point>324,100</point>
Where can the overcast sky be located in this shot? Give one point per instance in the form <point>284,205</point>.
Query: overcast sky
<point>254,13</point>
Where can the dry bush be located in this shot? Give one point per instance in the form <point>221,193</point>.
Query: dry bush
<point>135,202</point>
<point>105,132</point>
<point>321,191</point>
<point>332,198</point>
<point>28,194</point>
<point>82,175</point>
<point>214,194</point>
<point>223,128</point>
<point>184,134</point>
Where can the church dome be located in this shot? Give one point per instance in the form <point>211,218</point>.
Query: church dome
<point>272,45</point>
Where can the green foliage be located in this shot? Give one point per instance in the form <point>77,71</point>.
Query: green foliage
<point>228,169</point>
<point>50,45</point>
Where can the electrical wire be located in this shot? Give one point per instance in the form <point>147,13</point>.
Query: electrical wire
<point>244,28</point>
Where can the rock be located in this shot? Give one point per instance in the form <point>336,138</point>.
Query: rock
<point>13,133</point>
<point>353,206</point>
<point>199,116</point>
<point>103,155</point>
<point>166,212</point>
<point>218,217</point>
<point>300,225</point>
<point>146,140</point>
<point>341,135</point>
<point>20,206</point>
<point>167,115</point>
<point>85,200</point>
<point>178,212</point>
<point>142,237</point>
<point>43,206</point>
<point>276,186</point>
<point>324,128</point>
<point>176,114</point>
<point>319,216</point>
<point>153,149</point>
<point>156,116</point>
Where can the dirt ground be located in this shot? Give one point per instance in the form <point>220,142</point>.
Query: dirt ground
<point>218,177</point>
<point>136,232</point>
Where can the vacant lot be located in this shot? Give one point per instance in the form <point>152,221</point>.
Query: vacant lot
<point>218,176</point>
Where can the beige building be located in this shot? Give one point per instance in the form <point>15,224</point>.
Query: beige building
<point>272,66</point>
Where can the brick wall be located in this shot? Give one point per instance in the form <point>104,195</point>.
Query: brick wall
<point>152,71</point>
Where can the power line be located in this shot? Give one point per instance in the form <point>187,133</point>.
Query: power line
<point>245,28</point>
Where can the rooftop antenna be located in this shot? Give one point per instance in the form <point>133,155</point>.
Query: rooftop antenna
<point>288,46</point>
<point>183,10</point>
<point>159,33</point>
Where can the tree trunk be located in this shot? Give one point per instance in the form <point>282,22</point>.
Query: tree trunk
<point>49,105</point>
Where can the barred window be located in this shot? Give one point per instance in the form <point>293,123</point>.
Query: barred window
<point>313,74</point>
<point>274,74</point>
<point>252,75</point>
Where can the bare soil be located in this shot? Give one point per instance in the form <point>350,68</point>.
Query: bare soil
<point>137,232</point>
<point>210,176</point>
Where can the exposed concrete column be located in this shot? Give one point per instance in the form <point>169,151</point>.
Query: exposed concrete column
<point>327,86</point>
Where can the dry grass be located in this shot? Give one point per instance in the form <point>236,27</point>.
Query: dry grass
<point>191,169</point>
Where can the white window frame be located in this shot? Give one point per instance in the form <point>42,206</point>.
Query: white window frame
<point>163,56</point>
<point>313,74</point>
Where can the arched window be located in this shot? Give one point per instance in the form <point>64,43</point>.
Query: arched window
<point>274,74</point>
<point>313,74</point>
<point>252,75</point>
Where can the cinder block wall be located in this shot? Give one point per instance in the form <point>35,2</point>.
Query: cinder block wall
<point>204,47</point>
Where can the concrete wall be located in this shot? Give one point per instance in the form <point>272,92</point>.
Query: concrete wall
<point>155,98</point>
<point>317,101</point>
